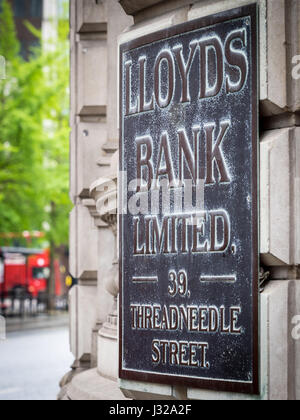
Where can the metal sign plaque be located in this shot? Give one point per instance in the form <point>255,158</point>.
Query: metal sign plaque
<point>189,205</point>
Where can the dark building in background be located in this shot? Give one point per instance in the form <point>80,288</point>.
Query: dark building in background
<point>27,11</point>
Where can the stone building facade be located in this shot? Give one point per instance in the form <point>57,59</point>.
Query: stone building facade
<point>97,30</point>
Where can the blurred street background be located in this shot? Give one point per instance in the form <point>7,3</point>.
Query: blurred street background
<point>32,362</point>
<point>34,198</point>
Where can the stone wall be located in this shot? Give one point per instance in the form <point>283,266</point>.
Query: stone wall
<point>95,27</point>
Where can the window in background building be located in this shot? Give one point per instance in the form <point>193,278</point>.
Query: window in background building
<point>20,8</point>
<point>36,8</point>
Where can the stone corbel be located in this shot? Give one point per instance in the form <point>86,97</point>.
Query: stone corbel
<point>104,195</point>
<point>91,205</point>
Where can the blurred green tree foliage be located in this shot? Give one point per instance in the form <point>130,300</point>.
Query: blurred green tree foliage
<point>34,132</point>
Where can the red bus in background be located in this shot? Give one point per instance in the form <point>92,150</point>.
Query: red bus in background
<point>39,274</point>
<point>28,270</point>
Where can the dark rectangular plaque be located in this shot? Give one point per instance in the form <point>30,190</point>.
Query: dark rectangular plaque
<point>189,205</point>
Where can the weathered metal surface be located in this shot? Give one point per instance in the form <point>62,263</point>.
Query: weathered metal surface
<point>189,270</point>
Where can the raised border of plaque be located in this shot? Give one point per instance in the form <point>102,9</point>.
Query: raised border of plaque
<point>250,387</point>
